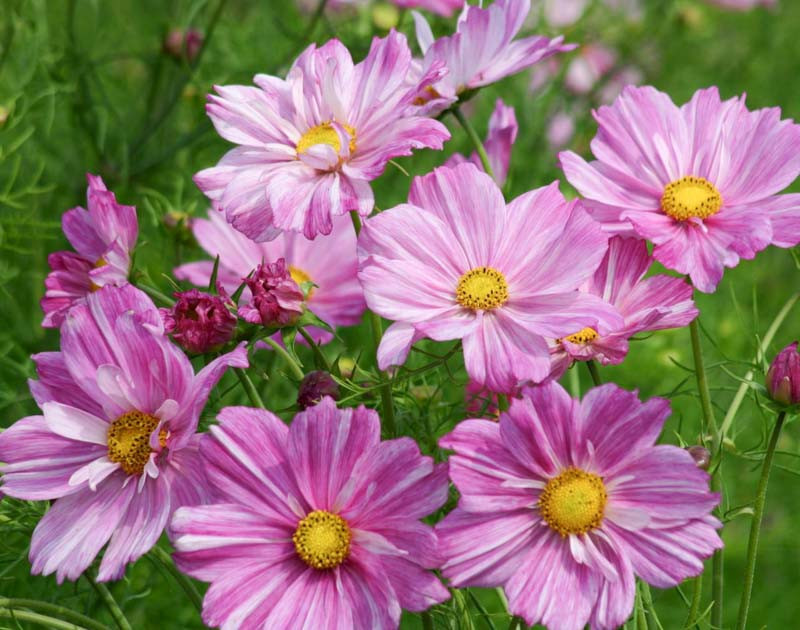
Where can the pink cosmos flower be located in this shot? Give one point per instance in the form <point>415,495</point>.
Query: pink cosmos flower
<point>480,52</point>
<point>561,13</point>
<point>115,445</point>
<point>589,66</point>
<point>310,144</point>
<point>440,7</point>
<point>320,522</point>
<point>502,133</point>
<point>564,502</point>
<point>560,130</point>
<point>200,322</point>
<point>328,261</point>
<point>700,181</point>
<point>103,237</point>
<point>653,303</point>
<point>456,262</point>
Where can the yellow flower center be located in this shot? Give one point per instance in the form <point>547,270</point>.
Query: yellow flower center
<point>300,276</point>
<point>325,134</point>
<point>322,540</point>
<point>427,94</point>
<point>482,288</point>
<point>100,262</point>
<point>129,440</point>
<point>573,502</point>
<point>689,197</point>
<point>584,335</point>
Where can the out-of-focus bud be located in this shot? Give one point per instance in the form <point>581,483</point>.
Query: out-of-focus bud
<point>3,115</point>
<point>314,387</point>
<point>277,299</point>
<point>200,322</point>
<point>193,43</point>
<point>783,376</point>
<point>701,456</point>
<point>180,44</point>
<point>346,367</point>
<point>385,16</point>
<point>560,130</point>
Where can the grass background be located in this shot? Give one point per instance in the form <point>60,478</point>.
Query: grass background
<point>86,86</point>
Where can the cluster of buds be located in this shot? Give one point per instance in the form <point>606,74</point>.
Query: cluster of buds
<point>277,299</point>
<point>200,322</point>
<point>783,376</point>
<point>183,44</point>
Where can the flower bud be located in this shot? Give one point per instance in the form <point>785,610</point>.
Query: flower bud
<point>783,376</point>
<point>199,322</point>
<point>314,387</point>
<point>3,115</point>
<point>277,300</point>
<point>701,456</point>
<point>180,44</point>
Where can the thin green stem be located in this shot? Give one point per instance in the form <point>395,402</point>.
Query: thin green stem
<point>476,141</point>
<point>315,348</point>
<point>42,620</point>
<point>296,370</point>
<point>51,609</point>
<point>157,295</point>
<point>647,598</point>
<point>185,583</point>
<point>755,525</point>
<point>515,623</point>
<point>356,222</point>
<point>110,602</point>
<point>727,422</point>
<point>694,608</point>
<point>594,372</point>
<point>249,388</point>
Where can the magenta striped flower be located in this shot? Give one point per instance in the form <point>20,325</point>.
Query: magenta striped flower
<point>116,444</point>
<point>700,181</point>
<point>103,237</point>
<point>646,304</point>
<point>318,524</point>
<point>310,144</point>
<point>456,262</point>
<point>329,262</point>
<point>564,502</point>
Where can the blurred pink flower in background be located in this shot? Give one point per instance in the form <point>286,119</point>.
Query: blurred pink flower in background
<point>500,139</point>
<point>743,5</point>
<point>560,130</point>
<point>588,66</point>
<point>561,13</point>
<point>103,237</point>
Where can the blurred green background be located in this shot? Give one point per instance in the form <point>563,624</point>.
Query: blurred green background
<point>89,86</point>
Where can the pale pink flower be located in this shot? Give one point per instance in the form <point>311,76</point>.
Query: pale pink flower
<point>310,144</point>
<point>699,181</point>
<point>564,502</point>
<point>456,262</point>
<point>743,5</point>
<point>561,13</point>
<point>500,138</point>
<point>440,7</point>
<point>590,65</point>
<point>317,525</point>
<point>103,237</point>
<point>560,130</point>
<point>646,304</point>
<point>116,444</point>
<point>329,262</point>
<point>480,52</point>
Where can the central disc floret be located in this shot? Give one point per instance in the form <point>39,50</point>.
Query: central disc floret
<point>129,440</point>
<point>482,288</point>
<point>689,197</point>
<point>325,134</point>
<point>322,540</point>
<point>573,502</point>
<point>584,335</point>
<point>300,277</point>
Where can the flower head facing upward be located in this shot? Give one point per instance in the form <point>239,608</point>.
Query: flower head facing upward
<point>329,262</point>
<point>585,501</point>
<point>456,262</point>
<point>276,298</point>
<point>319,511</point>
<point>699,181</point>
<point>116,444</point>
<point>480,52</point>
<point>502,134</point>
<point>200,322</point>
<point>646,304</point>
<point>103,237</point>
<point>310,144</point>
<point>783,376</point>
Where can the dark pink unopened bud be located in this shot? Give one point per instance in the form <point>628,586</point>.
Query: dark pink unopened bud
<point>701,456</point>
<point>277,300</point>
<point>178,43</point>
<point>314,387</point>
<point>199,322</point>
<point>783,376</point>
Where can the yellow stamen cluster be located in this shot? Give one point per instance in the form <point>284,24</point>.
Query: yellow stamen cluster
<point>129,440</point>
<point>322,540</point>
<point>482,288</point>
<point>584,335</point>
<point>324,133</point>
<point>573,502</point>
<point>300,277</point>
<point>100,262</point>
<point>690,197</point>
